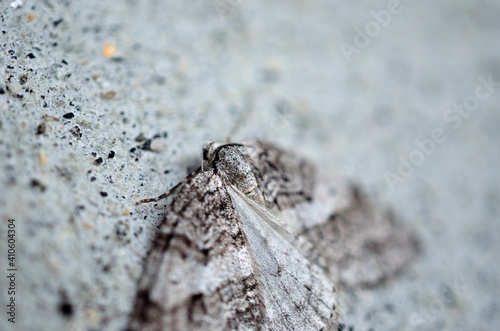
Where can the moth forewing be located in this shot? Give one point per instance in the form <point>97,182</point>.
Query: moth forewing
<point>196,276</point>
<point>298,295</point>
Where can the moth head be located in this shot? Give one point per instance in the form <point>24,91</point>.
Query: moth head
<point>230,161</point>
<point>208,152</point>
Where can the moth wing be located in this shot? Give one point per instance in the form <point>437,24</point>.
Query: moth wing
<point>290,187</point>
<point>361,243</point>
<point>198,274</point>
<point>297,294</point>
<point>333,223</point>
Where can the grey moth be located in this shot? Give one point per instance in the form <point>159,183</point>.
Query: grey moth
<point>255,240</point>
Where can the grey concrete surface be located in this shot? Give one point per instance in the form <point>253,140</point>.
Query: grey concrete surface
<point>402,97</point>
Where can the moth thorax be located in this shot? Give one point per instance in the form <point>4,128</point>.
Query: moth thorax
<point>232,164</point>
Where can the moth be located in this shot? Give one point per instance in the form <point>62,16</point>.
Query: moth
<point>254,240</point>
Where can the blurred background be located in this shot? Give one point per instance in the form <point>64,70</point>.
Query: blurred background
<point>106,102</point>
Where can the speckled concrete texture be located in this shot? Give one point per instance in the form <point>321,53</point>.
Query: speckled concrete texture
<point>106,102</point>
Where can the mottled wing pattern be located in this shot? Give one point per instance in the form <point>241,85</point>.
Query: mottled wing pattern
<point>285,180</point>
<point>198,275</point>
<point>334,224</point>
<point>289,185</point>
<point>298,295</point>
<point>363,244</point>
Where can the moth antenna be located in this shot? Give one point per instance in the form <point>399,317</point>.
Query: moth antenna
<point>172,190</point>
<point>147,200</point>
